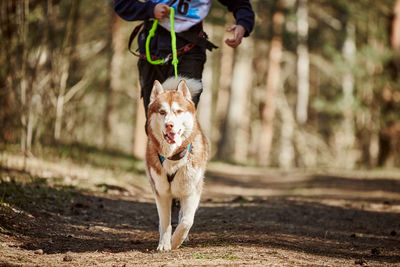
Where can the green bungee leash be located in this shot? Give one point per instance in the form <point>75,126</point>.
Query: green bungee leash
<point>173,43</point>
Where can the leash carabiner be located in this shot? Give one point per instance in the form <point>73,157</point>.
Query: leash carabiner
<point>173,43</point>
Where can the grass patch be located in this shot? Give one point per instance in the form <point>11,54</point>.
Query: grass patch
<point>213,256</point>
<point>199,256</point>
<point>230,256</point>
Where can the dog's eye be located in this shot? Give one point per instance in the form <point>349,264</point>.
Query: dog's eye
<point>162,112</point>
<point>179,111</point>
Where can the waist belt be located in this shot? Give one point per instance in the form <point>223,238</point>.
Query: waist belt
<point>195,36</point>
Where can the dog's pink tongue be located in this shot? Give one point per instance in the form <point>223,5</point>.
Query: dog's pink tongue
<point>170,137</point>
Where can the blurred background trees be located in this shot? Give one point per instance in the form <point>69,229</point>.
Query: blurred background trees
<point>316,85</point>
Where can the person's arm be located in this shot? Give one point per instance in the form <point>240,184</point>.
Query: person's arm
<point>134,10</point>
<point>244,15</point>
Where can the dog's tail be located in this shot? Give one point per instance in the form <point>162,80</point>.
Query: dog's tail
<point>195,86</point>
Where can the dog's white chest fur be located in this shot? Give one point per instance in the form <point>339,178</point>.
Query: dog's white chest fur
<point>185,180</point>
<point>185,177</point>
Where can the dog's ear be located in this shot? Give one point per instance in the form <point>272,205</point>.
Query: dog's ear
<point>183,89</point>
<point>157,89</point>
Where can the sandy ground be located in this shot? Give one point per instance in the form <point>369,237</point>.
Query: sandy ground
<point>248,216</point>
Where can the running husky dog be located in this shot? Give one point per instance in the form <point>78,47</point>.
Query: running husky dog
<point>176,156</point>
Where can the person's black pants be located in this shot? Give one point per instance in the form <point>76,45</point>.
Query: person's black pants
<point>190,65</point>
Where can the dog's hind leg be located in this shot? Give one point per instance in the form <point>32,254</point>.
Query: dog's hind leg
<point>164,213</point>
<point>188,207</point>
<point>175,212</point>
<point>179,219</point>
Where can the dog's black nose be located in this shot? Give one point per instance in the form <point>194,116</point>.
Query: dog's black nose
<point>169,126</point>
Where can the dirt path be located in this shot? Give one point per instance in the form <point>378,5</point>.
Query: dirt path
<point>247,217</point>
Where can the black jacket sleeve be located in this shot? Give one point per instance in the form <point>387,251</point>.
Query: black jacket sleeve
<point>243,13</point>
<point>134,10</point>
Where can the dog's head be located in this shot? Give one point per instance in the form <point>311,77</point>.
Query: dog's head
<point>171,113</point>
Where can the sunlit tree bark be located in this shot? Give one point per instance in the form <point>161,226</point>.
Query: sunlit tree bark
<point>237,122</point>
<point>63,65</point>
<point>223,95</point>
<point>139,138</point>
<point>303,62</point>
<point>205,105</point>
<point>273,78</point>
<point>22,12</point>
<point>116,49</point>
<point>395,35</point>
<point>345,135</point>
<point>286,151</point>
<point>389,137</point>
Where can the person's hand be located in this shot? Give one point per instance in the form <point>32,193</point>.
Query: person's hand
<point>161,11</point>
<point>238,33</point>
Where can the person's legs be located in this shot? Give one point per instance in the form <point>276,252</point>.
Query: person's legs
<point>148,73</point>
<point>191,65</point>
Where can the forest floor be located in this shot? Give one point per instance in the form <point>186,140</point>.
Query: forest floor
<point>69,209</point>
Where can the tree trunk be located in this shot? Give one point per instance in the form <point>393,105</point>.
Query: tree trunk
<point>139,139</point>
<point>242,85</point>
<point>116,49</point>
<point>64,65</point>
<point>303,62</point>
<point>238,117</point>
<point>273,78</point>
<point>23,29</point>
<point>221,109</point>
<point>286,151</point>
<point>205,105</point>
<point>395,37</point>
<point>345,135</point>
<point>389,136</point>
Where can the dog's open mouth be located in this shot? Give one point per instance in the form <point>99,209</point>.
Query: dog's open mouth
<point>173,138</point>
<point>170,137</point>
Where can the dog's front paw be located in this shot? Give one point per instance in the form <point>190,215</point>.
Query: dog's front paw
<point>164,246</point>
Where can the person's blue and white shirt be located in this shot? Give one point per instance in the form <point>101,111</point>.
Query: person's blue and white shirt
<point>187,13</point>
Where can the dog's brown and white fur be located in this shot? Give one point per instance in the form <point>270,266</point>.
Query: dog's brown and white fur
<point>172,126</point>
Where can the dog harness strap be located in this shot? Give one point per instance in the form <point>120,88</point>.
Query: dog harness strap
<point>171,177</point>
<point>133,36</point>
<point>194,39</point>
<point>161,158</point>
<point>181,154</point>
<point>177,156</point>
<point>179,52</point>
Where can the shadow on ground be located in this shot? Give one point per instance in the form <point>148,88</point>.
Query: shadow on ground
<point>61,219</point>
<point>314,181</point>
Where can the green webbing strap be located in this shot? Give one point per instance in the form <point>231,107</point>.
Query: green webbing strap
<point>173,43</point>
<point>151,34</point>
